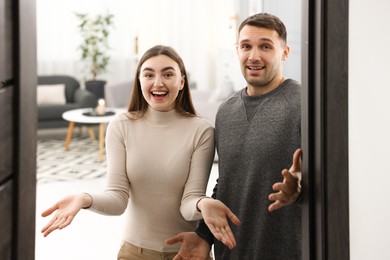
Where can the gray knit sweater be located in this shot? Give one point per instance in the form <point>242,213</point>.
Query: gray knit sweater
<point>256,138</point>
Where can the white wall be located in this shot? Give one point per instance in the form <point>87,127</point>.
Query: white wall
<point>202,31</point>
<point>369,129</point>
<point>290,12</point>
<point>195,28</point>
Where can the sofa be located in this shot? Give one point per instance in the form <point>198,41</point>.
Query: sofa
<point>206,102</point>
<point>57,94</point>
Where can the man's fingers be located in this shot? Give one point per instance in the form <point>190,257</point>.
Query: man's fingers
<point>178,257</point>
<point>288,177</point>
<point>296,166</point>
<point>174,240</point>
<point>276,205</point>
<point>278,186</point>
<point>277,196</point>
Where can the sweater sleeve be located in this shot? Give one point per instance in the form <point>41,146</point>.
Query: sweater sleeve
<point>113,201</point>
<point>203,231</point>
<point>199,172</point>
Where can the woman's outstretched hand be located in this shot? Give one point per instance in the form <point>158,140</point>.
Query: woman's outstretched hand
<point>65,211</point>
<point>216,214</point>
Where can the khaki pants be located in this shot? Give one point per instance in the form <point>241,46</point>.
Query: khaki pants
<point>132,252</point>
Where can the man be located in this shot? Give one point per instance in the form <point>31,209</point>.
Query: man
<point>257,134</point>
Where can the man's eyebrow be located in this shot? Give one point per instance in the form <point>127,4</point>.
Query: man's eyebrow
<point>261,40</point>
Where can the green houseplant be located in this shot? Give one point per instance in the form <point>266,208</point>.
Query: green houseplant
<point>94,48</point>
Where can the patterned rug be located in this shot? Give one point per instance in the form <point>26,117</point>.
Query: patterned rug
<point>81,161</point>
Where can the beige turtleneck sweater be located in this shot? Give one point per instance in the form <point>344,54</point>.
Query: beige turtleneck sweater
<point>157,169</point>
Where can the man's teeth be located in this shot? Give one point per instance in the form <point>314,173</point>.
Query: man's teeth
<point>256,68</point>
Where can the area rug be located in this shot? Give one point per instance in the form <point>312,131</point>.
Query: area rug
<point>81,161</point>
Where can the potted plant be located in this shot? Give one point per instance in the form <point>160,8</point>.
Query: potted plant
<point>94,48</point>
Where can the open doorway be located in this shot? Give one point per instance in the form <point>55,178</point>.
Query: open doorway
<point>316,241</point>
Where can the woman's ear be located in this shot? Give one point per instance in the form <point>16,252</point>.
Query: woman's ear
<point>183,80</point>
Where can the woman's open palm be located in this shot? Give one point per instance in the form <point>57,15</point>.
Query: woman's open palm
<point>216,215</point>
<point>65,211</point>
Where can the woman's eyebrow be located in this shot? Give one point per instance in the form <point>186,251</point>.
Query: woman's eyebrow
<point>147,68</point>
<point>164,69</point>
<point>168,68</point>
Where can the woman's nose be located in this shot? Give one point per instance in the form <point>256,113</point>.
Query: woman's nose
<point>158,82</point>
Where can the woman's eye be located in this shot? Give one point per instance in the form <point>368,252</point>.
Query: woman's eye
<point>168,75</point>
<point>148,75</point>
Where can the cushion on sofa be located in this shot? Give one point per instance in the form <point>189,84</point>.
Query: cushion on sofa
<point>50,112</point>
<point>51,94</point>
<point>71,84</point>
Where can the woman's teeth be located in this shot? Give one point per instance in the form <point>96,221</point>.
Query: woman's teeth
<point>159,93</point>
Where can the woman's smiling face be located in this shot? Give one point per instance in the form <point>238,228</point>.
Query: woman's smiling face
<point>161,80</point>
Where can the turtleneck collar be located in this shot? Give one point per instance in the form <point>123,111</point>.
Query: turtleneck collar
<point>160,118</point>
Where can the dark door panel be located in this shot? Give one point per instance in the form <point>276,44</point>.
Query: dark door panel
<point>17,129</point>
<point>6,50</point>
<point>6,220</point>
<point>6,133</point>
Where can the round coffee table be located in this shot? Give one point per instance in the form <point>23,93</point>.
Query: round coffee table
<point>86,116</point>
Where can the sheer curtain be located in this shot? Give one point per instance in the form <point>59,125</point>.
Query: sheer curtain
<point>197,29</point>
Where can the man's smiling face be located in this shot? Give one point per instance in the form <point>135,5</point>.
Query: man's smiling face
<point>261,53</point>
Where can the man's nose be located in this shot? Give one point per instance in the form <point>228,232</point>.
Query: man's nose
<point>254,55</point>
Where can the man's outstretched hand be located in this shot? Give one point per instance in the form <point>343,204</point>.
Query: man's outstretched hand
<point>193,246</point>
<point>288,191</point>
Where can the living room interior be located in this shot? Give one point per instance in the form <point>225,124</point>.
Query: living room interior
<point>204,34</point>
<point>351,146</point>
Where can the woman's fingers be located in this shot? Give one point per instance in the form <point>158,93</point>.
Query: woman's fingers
<point>216,231</point>
<point>223,234</point>
<point>50,227</point>
<point>233,217</point>
<point>216,215</point>
<point>57,222</point>
<point>50,210</point>
<point>228,237</point>
<point>69,220</point>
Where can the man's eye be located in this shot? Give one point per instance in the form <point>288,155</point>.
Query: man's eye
<point>245,46</point>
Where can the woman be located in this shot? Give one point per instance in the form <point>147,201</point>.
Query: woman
<point>159,157</point>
